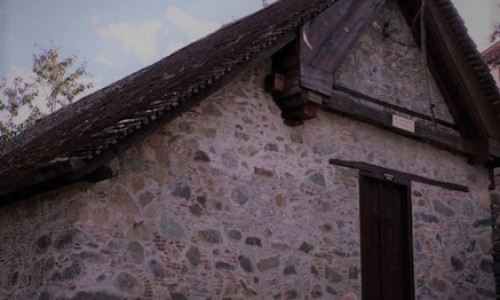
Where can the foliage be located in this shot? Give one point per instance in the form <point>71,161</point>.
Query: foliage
<point>495,32</point>
<point>55,82</point>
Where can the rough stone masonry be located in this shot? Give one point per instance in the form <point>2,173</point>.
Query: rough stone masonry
<point>227,202</point>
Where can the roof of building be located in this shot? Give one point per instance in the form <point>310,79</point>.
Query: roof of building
<point>492,54</point>
<point>74,141</point>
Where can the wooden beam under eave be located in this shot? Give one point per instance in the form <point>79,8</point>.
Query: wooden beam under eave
<point>342,104</point>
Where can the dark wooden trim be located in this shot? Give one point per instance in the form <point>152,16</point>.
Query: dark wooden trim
<point>382,173</point>
<point>342,104</point>
<point>386,104</point>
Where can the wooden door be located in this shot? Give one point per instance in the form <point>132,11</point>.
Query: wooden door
<point>385,240</point>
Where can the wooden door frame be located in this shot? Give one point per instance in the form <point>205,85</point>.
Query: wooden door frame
<point>406,183</point>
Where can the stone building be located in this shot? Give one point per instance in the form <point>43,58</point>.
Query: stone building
<point>308,151</point>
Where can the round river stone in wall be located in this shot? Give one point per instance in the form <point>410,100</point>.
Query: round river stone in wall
<point>239,195</point>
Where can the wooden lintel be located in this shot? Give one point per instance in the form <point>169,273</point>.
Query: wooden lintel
<point>344,105</point>
<point>396,176</point>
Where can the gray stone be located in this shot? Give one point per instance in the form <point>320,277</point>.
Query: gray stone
<point>14,279</point>
<point>245,263</point>
<point>210,236</point>
<point>318,179</point>
<point>314,271</point>
<point>353,272</point>
<point>49,264</point>
<point>182,190</point>
<point>178,296</point>
<point>44,296</point>
<point>482,223</point>
<point>263,172</point>
<point>96,296</point>
<point>145,199</point>
<point>291,294</point>
<point>253,241</point>
<point>296,138</point>
<point>171,229</point>
<point>323,149</point>
<point>221,265</point>
<point>489,294</point>
<point>239,195</point>
<point>90,256</point>
<point>468,208</point>
<point>201,156</point>
<point>64,240</point>
<point>269,263</point>
<point>443,209</point>
<point>317,292</point>
<point>194,257</point>
<point>331,290</point>
<point>472,246</point>
<point>158,271</point>
<point>69,273</point>
<point>234,234</point>
<point>439,285</point>
<point>136,252</point>
<point>229,160</point>
<point>326,228</point>
<point>280,247</point>
<point>126,283</point>
<point>42,244</point>
<point>471,278</point>
<point>289,270</point>
<point>212,110</point>
<point>426,218</point>
<point>486,266</point>
<point>196,210</point>
<point>456,263</point>
<point>306,247</point>
<point>332,276</point>
<point>271,147</point>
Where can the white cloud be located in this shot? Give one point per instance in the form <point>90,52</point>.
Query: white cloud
<point>138,40</point>
<point>92,19</point>
<point>195,28</point>
<point>103,59</point>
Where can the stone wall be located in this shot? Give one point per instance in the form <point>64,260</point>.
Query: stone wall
<point>227,202</point>
<point>391,69</point>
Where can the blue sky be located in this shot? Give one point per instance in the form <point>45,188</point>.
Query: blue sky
<point>118,37</point>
